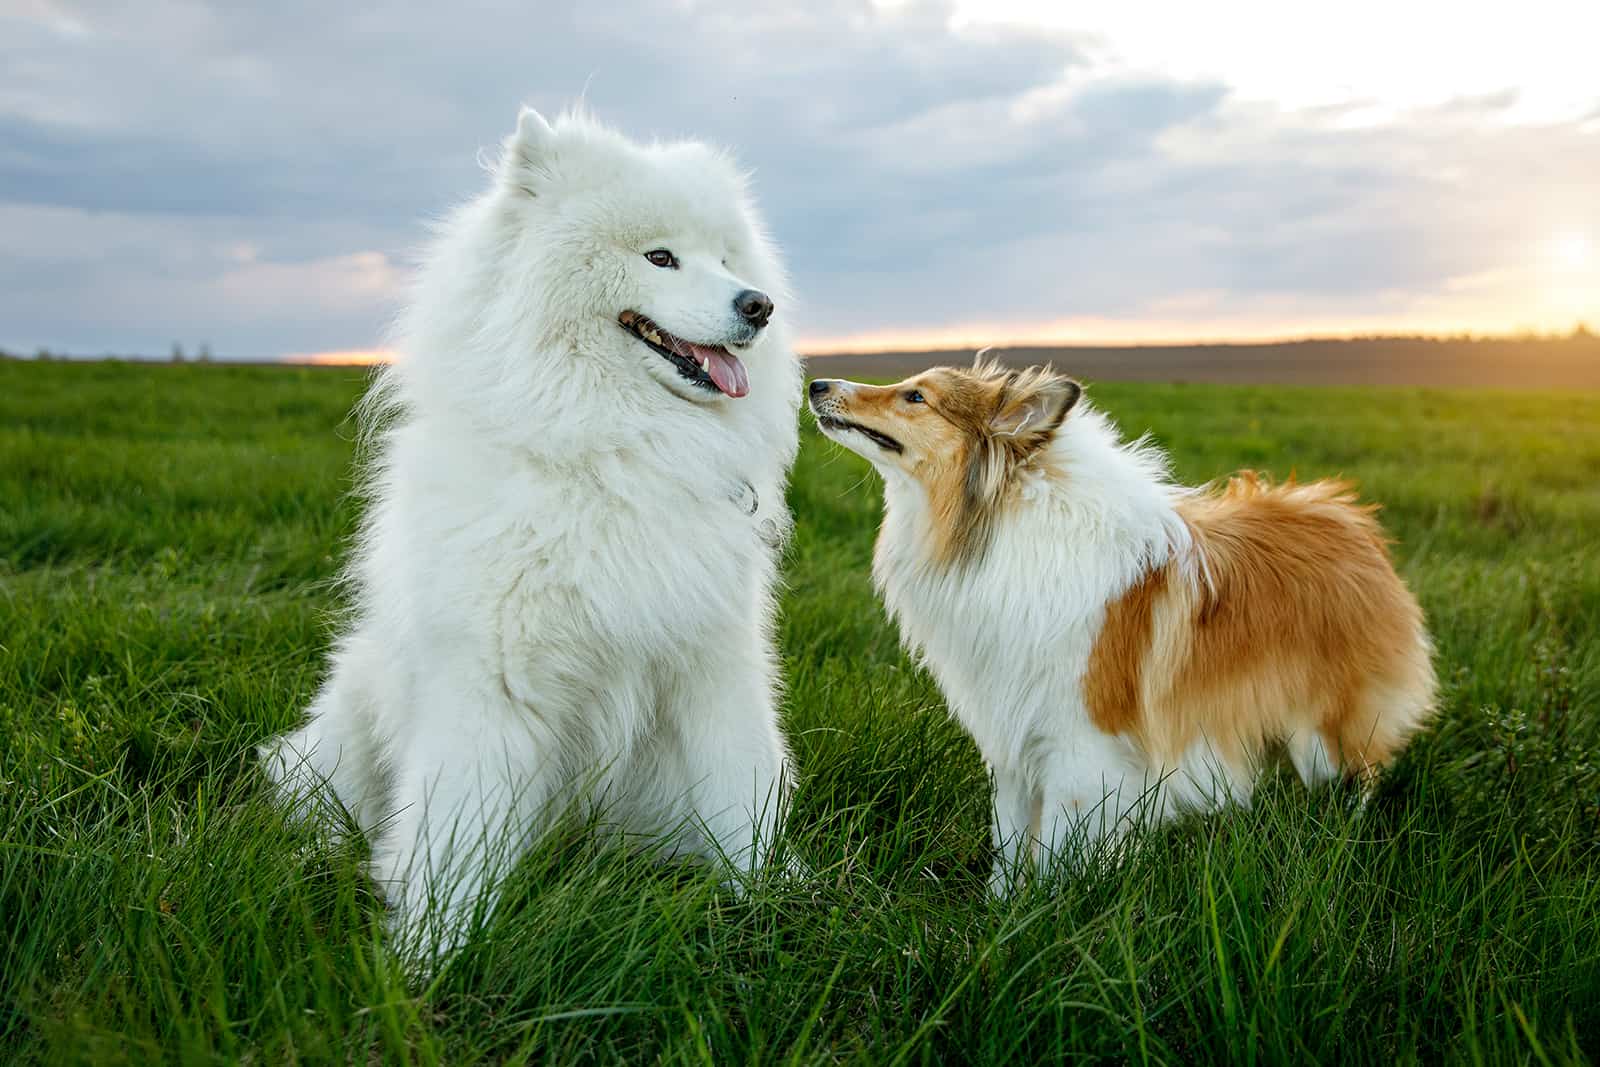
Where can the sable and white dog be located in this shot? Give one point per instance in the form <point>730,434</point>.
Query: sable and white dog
<point>563,585</point>
<point>1122,648</point>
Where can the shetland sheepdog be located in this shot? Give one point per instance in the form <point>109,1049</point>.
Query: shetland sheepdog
<point>1120,647</point>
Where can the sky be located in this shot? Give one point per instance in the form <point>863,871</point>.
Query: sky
<point>256,177</point>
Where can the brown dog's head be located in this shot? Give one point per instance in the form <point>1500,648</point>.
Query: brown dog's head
<point>961,434</point>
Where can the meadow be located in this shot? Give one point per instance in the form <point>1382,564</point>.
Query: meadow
<point>168,536</point>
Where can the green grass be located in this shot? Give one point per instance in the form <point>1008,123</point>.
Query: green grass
<point>167,536</point>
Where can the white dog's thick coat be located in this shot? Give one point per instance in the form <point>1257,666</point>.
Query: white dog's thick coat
<point>563,587</point>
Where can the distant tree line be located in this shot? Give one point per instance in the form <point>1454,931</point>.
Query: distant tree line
<point>201,356</point>
<point>44,355</point>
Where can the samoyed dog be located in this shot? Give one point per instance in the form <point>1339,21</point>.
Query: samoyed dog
<point>563,585</point>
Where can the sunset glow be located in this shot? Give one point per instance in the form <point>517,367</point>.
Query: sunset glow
<point>1572,251</point>
<point>350,357</point>
<point>1566,307</point>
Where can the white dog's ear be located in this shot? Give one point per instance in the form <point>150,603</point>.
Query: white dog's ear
<point>1033,407</point>
<point>526,162</point>
<point>532,127</point>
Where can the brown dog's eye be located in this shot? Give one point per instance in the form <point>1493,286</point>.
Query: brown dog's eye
<point>914,397</point>
<point>660,257</point>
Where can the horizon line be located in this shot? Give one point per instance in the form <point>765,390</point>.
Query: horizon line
<point>864,345</point>
<point>828,349</point>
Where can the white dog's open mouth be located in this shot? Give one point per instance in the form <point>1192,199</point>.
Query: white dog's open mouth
<point>708,366</point>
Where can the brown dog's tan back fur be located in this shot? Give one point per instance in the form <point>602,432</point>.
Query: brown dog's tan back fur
<point>1299,623</point>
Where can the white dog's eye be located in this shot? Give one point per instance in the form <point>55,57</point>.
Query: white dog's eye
<point>660,257</point>
<point>914,397</point>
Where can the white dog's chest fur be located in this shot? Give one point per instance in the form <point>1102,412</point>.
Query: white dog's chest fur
<point>588,577</point>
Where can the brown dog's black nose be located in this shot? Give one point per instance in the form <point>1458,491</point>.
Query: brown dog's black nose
<point>754,306</point>
<point>818,387</point>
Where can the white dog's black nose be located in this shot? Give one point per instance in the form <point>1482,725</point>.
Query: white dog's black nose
<point>754,306</point>
<point>819,387</point>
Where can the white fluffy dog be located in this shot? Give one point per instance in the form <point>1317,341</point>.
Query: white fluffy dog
<point>563,585</point>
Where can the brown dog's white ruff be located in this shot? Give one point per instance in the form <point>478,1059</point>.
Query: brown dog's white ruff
<point>1122,648</point>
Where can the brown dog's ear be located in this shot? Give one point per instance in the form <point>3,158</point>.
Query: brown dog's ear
<point>1032,408</point>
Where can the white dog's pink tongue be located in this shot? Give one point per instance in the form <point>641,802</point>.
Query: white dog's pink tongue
<point>725,370</point>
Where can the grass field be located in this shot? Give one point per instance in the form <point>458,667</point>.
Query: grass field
<point>166,539</point>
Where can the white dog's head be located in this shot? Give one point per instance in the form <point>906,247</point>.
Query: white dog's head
<point>646,256</point>
<point>597,274</point>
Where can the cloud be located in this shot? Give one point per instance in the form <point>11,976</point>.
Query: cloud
<point>91,282</point>
<point>922,172</point>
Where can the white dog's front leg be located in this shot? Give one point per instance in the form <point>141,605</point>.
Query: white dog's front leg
<point>724,756</point>
<point>471,788</point>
